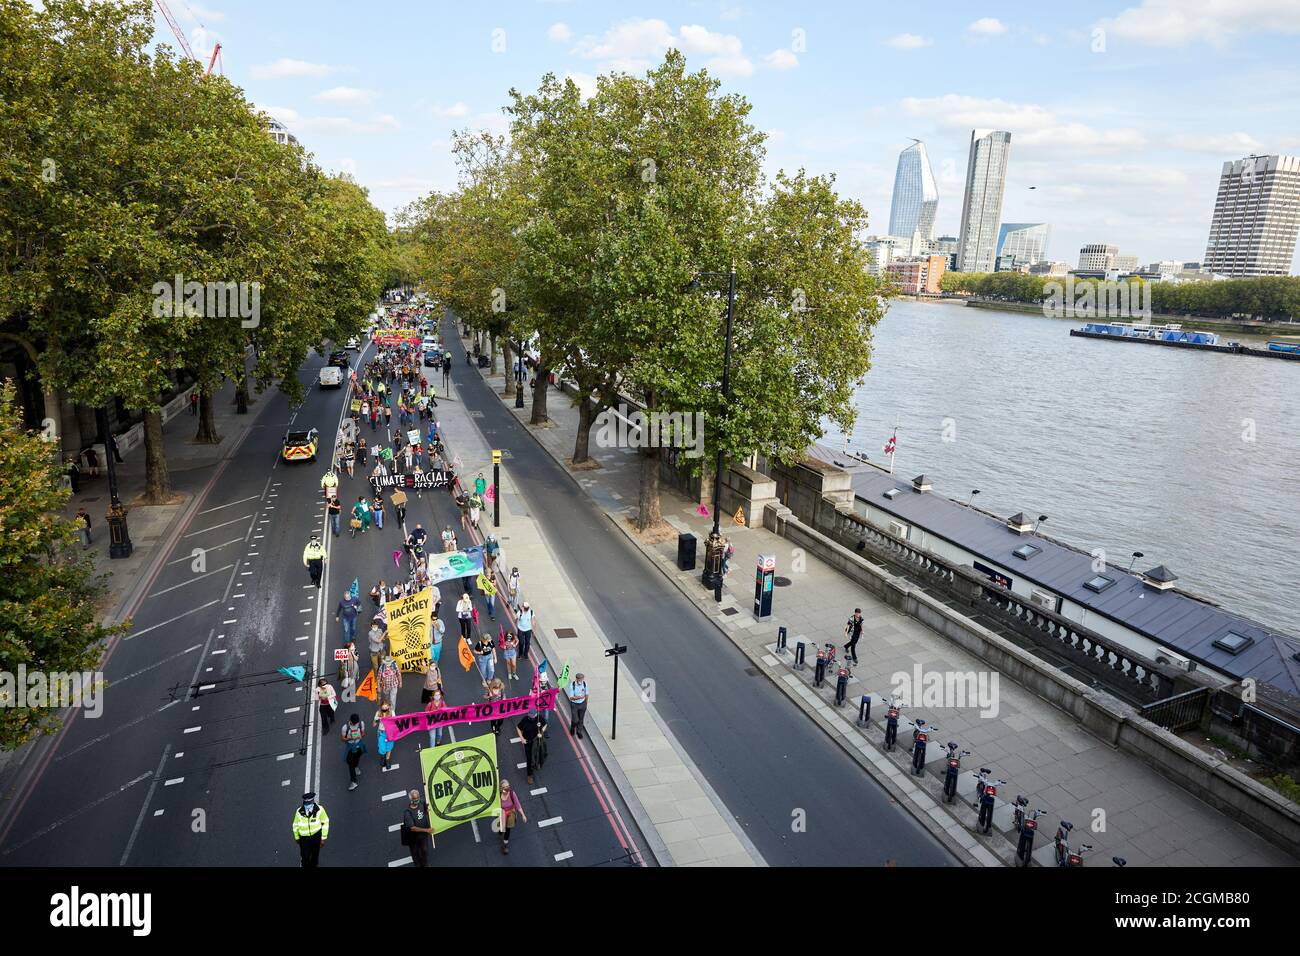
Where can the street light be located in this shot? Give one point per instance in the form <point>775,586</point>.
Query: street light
<point>973,493</point>
<point>1041,519</point>
<point>1136,555</point>
<point>713,548</point>
<point>119,535</point>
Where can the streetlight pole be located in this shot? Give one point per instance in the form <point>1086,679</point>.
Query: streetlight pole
<point>712,576</point>
<point>119,535</point>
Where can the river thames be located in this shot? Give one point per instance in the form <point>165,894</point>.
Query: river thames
<point>1189,457</point>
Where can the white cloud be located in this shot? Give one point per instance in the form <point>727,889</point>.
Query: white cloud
<point>559,32</point>
<point>331,125</point>
<point>454,111</point>
<point>347,165</point>
<point>637,44</point>
<point>196,13</point>
<point>285,67</point>
<point>1030,125</point>
<point>987,27</point>
<point>1231,145</point>
<point>781,60</point>
<point>347,96</point>
<point>585,82</point>
<point>908,41</point>
<point>1179,22</point>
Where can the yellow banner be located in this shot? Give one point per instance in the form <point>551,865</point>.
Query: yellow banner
<point>486,585</point>
<point>408,630</point>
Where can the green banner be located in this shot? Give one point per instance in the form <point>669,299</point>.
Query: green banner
<point>461,782</point>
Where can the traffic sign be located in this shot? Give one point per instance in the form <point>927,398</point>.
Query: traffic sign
<point>496,456</point>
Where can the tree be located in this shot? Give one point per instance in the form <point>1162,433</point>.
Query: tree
<point>48,593</point>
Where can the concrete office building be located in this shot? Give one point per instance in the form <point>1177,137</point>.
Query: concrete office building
<point>1256,217</point>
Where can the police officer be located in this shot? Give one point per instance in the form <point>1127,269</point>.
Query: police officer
<point>311,828</point>
<point>313,558</point>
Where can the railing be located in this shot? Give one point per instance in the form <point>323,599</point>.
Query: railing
<point>1121,670</point>
<point>1180,712</point>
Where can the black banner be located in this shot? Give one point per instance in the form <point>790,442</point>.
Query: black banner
<point>421,482</point>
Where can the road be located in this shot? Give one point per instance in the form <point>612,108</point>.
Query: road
<point>766,759</point>
<point>170,777</point>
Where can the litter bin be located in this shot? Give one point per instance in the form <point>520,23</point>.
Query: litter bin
<point>686,551</point>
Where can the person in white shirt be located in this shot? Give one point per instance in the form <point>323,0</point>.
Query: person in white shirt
<point>512,589</point>
<point>577,703</point>
<point>464,614</point>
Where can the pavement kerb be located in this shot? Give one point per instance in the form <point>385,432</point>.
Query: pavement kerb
<point>904,800</point>
<point>625,787</point>
<point>649,832</point>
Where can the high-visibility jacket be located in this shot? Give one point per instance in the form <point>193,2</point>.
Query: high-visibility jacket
<point>330,480</point>
<point>317,822</point>
<point>313,552</point>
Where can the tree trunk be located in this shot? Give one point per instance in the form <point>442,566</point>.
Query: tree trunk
<point>582,443</point>
<point>492,354</point>
<point>648,503</point>
<point>508,360</point>
<point>207,433</point>
<point>87,426</point>
<point>539,395</point>
<point>157,480</point>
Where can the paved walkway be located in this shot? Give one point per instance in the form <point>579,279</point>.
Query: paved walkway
<point>1117,804</point>
<point>683,820</point>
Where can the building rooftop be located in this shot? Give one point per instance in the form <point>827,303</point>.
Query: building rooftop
<point>1181,622</point>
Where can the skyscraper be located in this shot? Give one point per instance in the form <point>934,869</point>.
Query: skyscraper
<point>981,207</point>
<point>916,197</point>
<point>1256,216</point>
<point>1024,242</point>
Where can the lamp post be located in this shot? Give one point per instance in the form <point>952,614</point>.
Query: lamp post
<point>712,575</point>
<point>1041,519</point>
<point>519,372</point>
<point>971,499</point>
<point>1136,555</point>
<point>119,535</point>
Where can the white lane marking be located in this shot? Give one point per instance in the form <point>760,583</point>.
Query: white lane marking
<point>216,547</point>
<point>193,730</point>
<point>105,736</point>
<point>222,651</point>
<point>285,783</point>
<point>154,627</point>
<point>566,855</point>
<point>239,502</point>
<point>233,620</point>
<point>118,680</point>
<point>405,862</point>
<point>305,637</point>
<point>199,577</point>
<point>216,526</point>
<point>179,755</point>
<point>76,813</point>
<point>521,766</point>
<point>173,781</point>
<point>538,792</point>
<point>393,796</point>
<point>285,757</point>
<point>244,574</point>
<point>159,813</point>
<point>292,710</point>
<point>550,823</point>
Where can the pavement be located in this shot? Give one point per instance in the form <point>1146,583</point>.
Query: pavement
<point>783,782</point>
<point>1118,804</point>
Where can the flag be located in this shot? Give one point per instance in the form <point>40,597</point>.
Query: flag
<point>491,492</point>
<point>739,516</point>
<point>473,616</point>
<point>397,557</point>
<point>892,444</point>
<point>297,673</point>
<point>501,638</point>
<point>367,688</point>
<point>702,511</point>
<point>564,676</point>
<point>356,588</point>
<point>466,655</point>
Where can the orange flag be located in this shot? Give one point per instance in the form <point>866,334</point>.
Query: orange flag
<point>367,688</point>
<point>466,656</point>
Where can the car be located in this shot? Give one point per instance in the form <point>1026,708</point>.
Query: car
<point>300,445</point>
<point>354,344</point>
<point>339,359</point>
<point>331,377</point>
<point>432,358</point>
<point>429,342</point>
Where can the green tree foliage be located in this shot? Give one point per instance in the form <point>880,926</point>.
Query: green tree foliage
<point>47,589</point>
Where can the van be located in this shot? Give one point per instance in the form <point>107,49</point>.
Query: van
<point>331,376</point>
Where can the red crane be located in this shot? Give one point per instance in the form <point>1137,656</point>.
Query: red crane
<point>180,37</point>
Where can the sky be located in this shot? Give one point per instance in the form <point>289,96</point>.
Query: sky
<point>1122,113</point>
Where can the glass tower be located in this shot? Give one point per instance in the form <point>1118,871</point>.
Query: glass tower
<point>981,207</point>
<point>916,198</point>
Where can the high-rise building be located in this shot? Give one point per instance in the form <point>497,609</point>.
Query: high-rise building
<point>1127,265</point>
<point>1024,243</point>
<point>1097,257</point>
<point>1256,217</point>
<point>981,207</point>
<point>916,197</point>
<point>279,132</point>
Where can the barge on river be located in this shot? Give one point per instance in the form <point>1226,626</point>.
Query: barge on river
<point>1175,336</point>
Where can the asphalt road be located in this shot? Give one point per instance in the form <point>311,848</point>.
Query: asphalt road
<point>763,757</point>
<point>169,777</point>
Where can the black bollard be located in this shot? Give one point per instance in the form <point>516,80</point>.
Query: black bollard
<point>864,711</point>
<point>780,640</point>
<point>841,687</point>
<point>799,656</point>
<point>820,675</point>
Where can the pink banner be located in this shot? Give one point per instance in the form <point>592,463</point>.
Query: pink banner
<point>398,727</point>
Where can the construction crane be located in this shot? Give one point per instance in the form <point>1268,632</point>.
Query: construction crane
<point>185,44</point>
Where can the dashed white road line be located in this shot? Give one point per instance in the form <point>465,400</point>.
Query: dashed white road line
<point>566,855</point>
<point>216,526</point>
<point>239,502</point>
<point>403,862</point>
<point>549,823</point>
<point>538,792</point>
<point>393,796</point>
<point>154,627</point>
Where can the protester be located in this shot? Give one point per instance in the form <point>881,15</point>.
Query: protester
<point>361,511</point>
<point>347,611</point>
<point>436,702</point>
<point>525,627</point>
<point>512,589</point>
<point>84,530</point>
<point>436,632</point>
<point>377,512</point>
<point>577,692</point>
<point>378,646</point>
<point>416,831</point>
<point>485,650</point>
<point>335,510</point>
<point>389,678</point>
<point>852,632</point>
<point>510,652</point>
<point>464,614</point>
<point>512,813</point>
<point>496,690</point>
<point>348,668</point>
<point>432,682</point>
<point>385,745</point>
<point>353,736</point>
<point>327,701</point>
<point>530,734</point>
